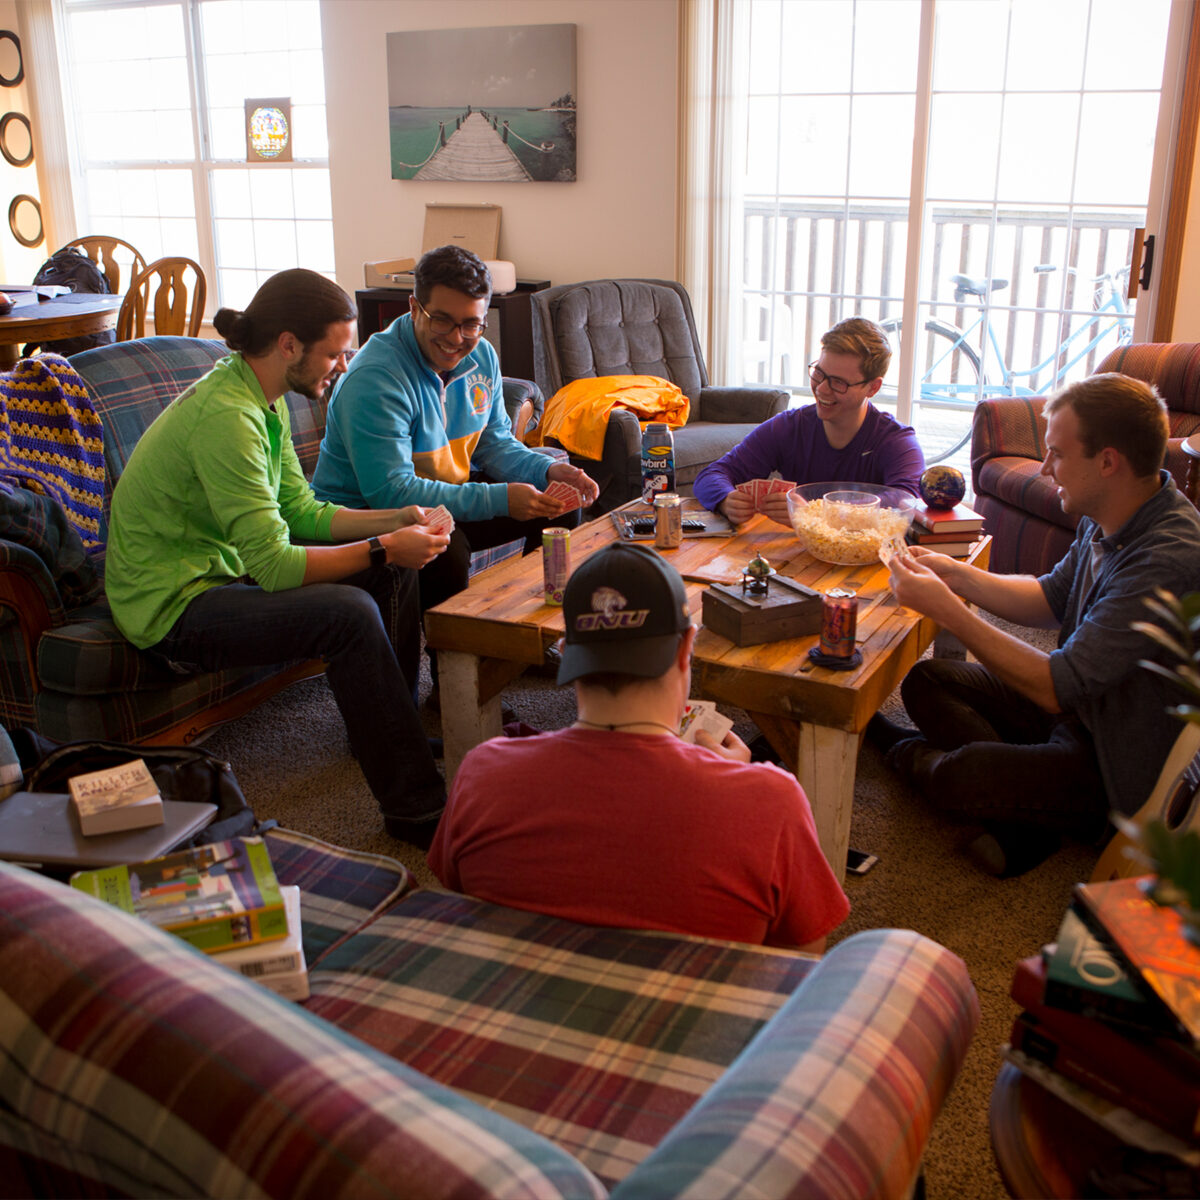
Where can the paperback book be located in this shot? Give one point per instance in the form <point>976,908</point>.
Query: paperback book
<point>216,897</point>
<point>115,799</point>
<point>279,965</point>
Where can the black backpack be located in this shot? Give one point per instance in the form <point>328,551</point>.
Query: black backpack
<point>72,269</point>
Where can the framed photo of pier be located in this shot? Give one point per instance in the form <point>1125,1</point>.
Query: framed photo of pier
<point>495,104</point>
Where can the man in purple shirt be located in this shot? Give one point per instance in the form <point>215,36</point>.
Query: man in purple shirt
<point>841,437</point>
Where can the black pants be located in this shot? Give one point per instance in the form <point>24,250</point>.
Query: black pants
<point>1007,761</point>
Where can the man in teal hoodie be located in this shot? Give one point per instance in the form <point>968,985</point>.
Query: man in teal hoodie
<point>419,418</point>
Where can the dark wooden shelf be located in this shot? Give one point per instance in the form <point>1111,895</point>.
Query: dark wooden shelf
<point>378,307</point>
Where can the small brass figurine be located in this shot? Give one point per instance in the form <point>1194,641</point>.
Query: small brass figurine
<point>756,576</point>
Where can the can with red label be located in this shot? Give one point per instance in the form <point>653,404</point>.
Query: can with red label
<point>556,563</point>
<point>839,623</point>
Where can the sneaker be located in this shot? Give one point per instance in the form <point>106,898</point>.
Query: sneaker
<point>884,733</point>
<point>415,833</point>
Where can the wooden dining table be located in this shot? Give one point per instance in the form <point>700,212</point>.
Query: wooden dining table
<point>814,717</point>
<point>68,316</point>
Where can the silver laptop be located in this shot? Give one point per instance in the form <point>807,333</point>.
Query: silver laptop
<point>40,827</point>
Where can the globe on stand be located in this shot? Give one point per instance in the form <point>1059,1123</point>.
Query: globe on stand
<point>942,486</point>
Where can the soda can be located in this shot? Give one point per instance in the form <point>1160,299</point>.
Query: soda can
<point>556,563</point>
<point>839,622</point>
<point>668,520</point>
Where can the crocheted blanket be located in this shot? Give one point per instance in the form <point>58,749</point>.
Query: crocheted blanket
<point>52,441</point>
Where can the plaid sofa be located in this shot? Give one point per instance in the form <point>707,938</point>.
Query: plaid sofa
<point>67,671</point>
<point>452,1048</point>
<point>1020,507</point>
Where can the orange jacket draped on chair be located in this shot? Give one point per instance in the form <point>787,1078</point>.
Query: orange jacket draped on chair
<point>577,414</point>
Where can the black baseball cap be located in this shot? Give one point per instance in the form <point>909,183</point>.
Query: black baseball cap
<point>624,610</point>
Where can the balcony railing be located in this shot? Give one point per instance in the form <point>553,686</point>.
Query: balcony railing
<point>808,266</point>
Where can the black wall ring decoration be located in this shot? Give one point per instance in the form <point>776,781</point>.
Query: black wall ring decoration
<point>12,220</point>
<point>5,122</point>
<point>13,80</point>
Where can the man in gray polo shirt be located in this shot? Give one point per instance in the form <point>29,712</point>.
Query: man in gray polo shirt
<point>1033,745</point>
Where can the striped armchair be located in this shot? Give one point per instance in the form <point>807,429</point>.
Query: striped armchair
<point>455,1049</point>
<point>1030,532</point>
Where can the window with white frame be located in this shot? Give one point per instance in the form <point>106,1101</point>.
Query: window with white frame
<point>156,93</point>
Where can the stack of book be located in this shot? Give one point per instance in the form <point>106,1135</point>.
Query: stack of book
<point>950,531</point>
<point>1111,1017</point>
<point>222,898</point>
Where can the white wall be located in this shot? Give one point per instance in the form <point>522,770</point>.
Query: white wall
<point>18,264</point>
<point>617,218</point>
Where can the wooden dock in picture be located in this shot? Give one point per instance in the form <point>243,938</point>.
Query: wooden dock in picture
<point>475,151</point>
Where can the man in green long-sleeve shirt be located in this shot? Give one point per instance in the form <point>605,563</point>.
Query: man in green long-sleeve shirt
<point>204,562</point>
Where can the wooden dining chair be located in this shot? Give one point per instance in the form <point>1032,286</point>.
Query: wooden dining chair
<point>103,251</point>
<point>162,290</point>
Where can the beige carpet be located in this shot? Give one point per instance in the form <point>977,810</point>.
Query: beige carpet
<point>292,759</point>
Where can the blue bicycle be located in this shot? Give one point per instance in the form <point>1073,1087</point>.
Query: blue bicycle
<point>958,374</point>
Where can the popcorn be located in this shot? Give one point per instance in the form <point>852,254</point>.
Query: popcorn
<point>819,528</point>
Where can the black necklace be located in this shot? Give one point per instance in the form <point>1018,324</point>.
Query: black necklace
<point>625,725</point>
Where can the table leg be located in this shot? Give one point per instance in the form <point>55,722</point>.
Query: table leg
<point>824,761</point>
<point>827,759</point>
<point>466,720</point>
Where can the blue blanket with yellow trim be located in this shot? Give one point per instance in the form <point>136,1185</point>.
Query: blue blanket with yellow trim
<point>52,441</point>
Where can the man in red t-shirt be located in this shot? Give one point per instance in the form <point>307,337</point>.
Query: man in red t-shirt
<point>616,821</point>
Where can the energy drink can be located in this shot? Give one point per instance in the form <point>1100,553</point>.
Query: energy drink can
<point>668,520</point>
<point>839,623</point>
<point>556,563</point>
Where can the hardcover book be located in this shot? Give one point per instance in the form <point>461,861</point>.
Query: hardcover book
<point>959,519</point>
<point>1154,1076</point>
<point>1084,976</point>
<point>1149,939</point>
<point>217,896</point>
<point>117,798</point>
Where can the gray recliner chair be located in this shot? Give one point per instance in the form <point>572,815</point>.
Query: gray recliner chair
<point>640,327</point>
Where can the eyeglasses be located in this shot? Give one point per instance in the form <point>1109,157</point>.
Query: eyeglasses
<point>839,387</point>
<point>442,325</point>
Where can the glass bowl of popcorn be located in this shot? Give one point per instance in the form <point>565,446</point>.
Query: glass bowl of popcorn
<point>850,523</point>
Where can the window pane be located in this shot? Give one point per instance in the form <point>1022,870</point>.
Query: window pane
<point>136,73</point>
<point>885,45</point>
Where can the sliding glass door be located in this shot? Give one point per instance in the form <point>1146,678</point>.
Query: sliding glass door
<point>972,173</point>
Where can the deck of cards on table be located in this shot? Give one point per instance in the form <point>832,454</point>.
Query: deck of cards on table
<point>759,489</point>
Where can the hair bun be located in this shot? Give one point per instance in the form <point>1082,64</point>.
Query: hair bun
<point>233,325</point>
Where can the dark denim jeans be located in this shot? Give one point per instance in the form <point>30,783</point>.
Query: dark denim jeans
<point>1007,759</point>
<point>367,630</point>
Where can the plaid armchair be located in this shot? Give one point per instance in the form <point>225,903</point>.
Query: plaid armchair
<point>1020,507</point>
<point>66,670</point>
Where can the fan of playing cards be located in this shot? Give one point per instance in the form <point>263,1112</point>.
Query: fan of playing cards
<point>759,489</point>
<point>703,714</point>
<point>569,497</point>
<point>439,520</point>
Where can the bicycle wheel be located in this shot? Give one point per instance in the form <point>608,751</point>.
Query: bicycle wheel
<point>949,382</point>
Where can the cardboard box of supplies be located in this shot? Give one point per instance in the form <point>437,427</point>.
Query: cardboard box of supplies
<point>475,227</point>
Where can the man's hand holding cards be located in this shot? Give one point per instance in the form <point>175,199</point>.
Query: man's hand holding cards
<point>439,520</point>
<point>569,497</point>
<point>703,714</point>
<point>768,496</point>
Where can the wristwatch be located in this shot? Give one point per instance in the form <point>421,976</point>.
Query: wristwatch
<point>377,551</point>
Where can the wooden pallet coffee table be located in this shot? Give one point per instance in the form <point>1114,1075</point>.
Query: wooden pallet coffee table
<point>814,718</point>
